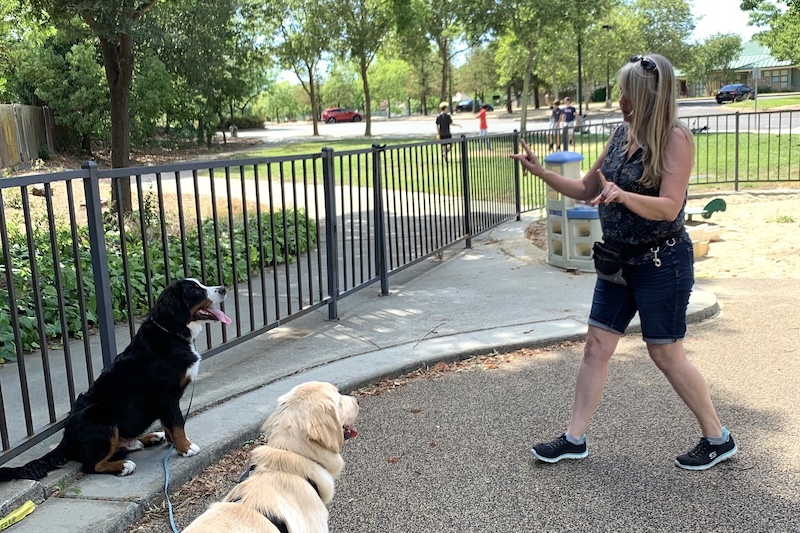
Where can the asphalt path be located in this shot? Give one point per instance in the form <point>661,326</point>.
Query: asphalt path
<point>452,453</point>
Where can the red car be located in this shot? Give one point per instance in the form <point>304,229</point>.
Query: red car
<point>338,114</point>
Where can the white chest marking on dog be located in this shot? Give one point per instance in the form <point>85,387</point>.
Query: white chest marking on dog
<point>191,372</point>
<point>195,328</point>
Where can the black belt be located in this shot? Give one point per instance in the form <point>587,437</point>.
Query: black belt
<point>629,251</point>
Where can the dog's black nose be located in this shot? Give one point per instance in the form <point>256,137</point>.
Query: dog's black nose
<point>222,290</point>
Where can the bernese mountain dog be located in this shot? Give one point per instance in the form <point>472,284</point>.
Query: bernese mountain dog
<point>143,384</point>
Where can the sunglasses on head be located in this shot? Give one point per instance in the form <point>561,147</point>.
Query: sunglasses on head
<point>648,64</point>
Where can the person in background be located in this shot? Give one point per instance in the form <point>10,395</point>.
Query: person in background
<point>640,184</point>
<point>554,127</point>
<point>443,123</point>
<point>571,118</point>
<point>483,127</point>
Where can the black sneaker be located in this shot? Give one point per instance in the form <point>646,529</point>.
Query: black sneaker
<point>561,448</point>
<point>705,455</point>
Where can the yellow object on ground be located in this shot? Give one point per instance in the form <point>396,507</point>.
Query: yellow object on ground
<point>17,514</point>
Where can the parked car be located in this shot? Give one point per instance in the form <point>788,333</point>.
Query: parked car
<point>469,104</point>
<point>734,92</point>
<point>338,114</point>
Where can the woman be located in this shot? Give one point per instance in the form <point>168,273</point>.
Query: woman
<point>640,184</point>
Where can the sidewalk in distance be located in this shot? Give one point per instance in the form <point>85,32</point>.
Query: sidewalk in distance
<point>499,295</point>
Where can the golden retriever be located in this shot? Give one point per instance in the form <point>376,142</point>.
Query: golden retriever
<point>291,479</point>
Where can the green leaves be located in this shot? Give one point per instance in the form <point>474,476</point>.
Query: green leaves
<point>291,234</point>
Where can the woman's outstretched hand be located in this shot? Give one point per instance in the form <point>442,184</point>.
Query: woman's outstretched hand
<point>609,191</point>
<point>528,160</point>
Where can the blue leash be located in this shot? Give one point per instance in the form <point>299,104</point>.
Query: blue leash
<point>166,469</point>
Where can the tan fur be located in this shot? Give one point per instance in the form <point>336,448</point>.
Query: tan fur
<point>305,438</point>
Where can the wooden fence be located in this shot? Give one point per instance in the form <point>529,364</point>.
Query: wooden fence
<point>24,131</point>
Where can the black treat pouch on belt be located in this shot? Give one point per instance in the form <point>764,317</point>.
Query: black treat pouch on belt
<point>608,262</point>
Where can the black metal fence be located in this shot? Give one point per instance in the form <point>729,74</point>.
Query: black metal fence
<point>289,234</point>
<point>732,151</point>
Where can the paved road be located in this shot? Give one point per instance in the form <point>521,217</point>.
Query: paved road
<point>717,117</point>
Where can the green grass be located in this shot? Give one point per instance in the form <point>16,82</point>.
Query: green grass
<point>766,104</point>
<point>761,158</point>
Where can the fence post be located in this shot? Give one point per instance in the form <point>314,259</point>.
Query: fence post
<point>736,155</point>
<point>381,263</point>
<point>102,284</point>
<point>465,185</point>
<point>331,233</point>
<point>517,181</point>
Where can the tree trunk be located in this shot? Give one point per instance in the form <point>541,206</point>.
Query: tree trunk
<point>509,107</point>
<point>526,82</point>
<point>312,94</point>
<point>118,61</point>
<point>445,64</point>
<point>368,104</point>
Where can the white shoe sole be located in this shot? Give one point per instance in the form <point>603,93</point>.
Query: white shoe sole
<point>563,456</point>
<point>718,459</point>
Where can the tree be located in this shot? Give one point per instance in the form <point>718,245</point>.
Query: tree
<point>525,24</point>
<point>479,73</point>
<point>65,74</point>
<point>278,102</point>
<point>712,59</point>
<point>306,31</point>
<point>389,80</point>
<point>365,26</point>
<point>113,24</point>
<point>342,87</point>
<point>410,43</point>
<point>207,48</point>
<point>783,34</point>
<point>666,27</point>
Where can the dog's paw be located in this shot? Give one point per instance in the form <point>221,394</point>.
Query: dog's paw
<point>194,449</point>
<point>128,467</point>
<point>156,437</point>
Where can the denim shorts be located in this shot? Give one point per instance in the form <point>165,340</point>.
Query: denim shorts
<point>659,293</point>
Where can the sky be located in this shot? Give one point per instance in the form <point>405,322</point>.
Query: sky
<point>721,16</point>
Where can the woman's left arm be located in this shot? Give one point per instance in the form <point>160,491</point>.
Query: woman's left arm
<point>674,182</point>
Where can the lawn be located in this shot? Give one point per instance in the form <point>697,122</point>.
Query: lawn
<point>768,104</point>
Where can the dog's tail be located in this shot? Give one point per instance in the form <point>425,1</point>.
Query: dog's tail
<point>38,468</point>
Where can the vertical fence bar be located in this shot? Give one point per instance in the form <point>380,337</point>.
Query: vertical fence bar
<point>14,312</point>
<point>517,181</point>
<point>380,237</point>
<point>736,153</point>
<point>331,233</point>
<point>465,185</point>
<point>102,285</point>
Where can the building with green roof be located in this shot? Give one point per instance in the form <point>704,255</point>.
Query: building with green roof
<point>776,75</point>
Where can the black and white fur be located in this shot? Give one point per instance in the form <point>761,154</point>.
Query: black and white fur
<point>143,384</point>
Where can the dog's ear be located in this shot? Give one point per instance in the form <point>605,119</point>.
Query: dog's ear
<point>325,428</point>
<point>171,304</point>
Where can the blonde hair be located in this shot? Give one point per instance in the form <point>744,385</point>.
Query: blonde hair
<point>654,113</point>
<point>443,106</point>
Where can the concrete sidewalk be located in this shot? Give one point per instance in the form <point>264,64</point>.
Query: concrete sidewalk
<point>500,295</point>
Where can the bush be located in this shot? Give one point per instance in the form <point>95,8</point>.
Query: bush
<point>44,153</point>
<point>248,122</point>
<point>231,243</point>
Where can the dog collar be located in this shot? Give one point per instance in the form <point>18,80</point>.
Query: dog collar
<point>181,336</point>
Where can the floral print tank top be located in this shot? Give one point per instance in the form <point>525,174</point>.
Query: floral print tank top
<point>622,226</point>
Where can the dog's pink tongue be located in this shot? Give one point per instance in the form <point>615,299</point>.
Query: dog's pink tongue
<point>350,432</point>
<point>222,317</point>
